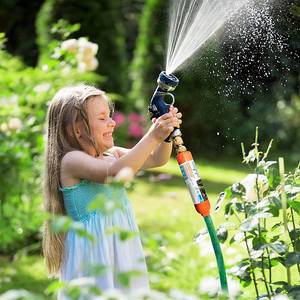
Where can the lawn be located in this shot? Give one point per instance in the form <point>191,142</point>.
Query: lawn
<point>167,222</point>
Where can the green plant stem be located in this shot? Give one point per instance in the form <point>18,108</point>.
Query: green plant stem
<point>256,146</point>
<point>262,263</point>
<point>270,271</point>
<point>295,241</point>
<point>268,149</point>
<point>283,199</point>
<point>251,264</point>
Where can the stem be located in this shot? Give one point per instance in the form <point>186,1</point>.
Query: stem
<point>251,264</point>
<point>283,198</point>
<point>270,271</point>
<point>256,146</point>
<point>262,263</point>
<point>295,241</point>
<point>268,149</point>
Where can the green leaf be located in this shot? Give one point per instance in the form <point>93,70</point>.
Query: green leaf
<point>61,224</point>
<point>295,205</point>
<point>240,271</point>
<point>221,197</point>
<point>124,278</point>
<point>222,234</point>
<point>126,235</point>
<point>228,210</point>
<point>277,247</point>
<point>226,224</point>
<point>200,236</point>
<point>291,259</point>
<point>294,234</point>
<point>95,290</point>
<point>273,178</point>
<point>248,224</point>
<point>238,189</point>
<point>54,286</point>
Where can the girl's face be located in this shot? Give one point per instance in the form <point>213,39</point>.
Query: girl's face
<point>102,125</point>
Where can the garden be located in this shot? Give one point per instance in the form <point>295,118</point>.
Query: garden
<point>241,117</point>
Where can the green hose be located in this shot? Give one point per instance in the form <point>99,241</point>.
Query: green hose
<point>218,253</point>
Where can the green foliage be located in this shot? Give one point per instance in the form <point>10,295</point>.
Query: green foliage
<point>102,26</point>
<point>256,203</point>
<point>24,96</point>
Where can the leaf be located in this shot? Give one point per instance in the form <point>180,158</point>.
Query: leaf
<point>200,236</point>
<point>222,234</point>
<point>273,178</point>
<point>222,196</point>
<point>260,264</point>
<point>226,224</point>
<point>124,278</point>
<point>292,192</point>
<point>295,205</point>
<point>126,235</point>
<point>238,189</point>
<point>291,259</point>
<point>228,210</point>
<point>248,224</point>
<point>277,247</point>
<point>240,272</point>
<point>261,214</point>
<point>61,224</point>
<point>294,234</point>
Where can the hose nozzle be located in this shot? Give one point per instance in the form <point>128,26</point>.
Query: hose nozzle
<point>158,106</point>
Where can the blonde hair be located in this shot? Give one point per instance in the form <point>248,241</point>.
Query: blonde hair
<point>68,106</point>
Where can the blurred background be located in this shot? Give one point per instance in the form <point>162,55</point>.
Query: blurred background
<point>239,80</point>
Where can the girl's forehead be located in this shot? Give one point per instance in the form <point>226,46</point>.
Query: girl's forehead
<point>98,105</point>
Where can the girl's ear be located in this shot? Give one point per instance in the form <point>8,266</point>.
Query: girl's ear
<point>77,130</point>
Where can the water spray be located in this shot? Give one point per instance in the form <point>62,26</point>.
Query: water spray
<point>158,106</point>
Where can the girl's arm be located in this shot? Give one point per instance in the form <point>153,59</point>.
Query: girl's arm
<point>78,165</point>
<point>161,153</point>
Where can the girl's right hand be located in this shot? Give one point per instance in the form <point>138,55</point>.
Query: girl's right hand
<point>164,125</point>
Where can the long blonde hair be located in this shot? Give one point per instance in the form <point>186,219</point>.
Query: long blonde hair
<point>68,106</point>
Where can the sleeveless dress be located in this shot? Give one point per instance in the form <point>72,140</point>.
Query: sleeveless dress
<point>108,249</point>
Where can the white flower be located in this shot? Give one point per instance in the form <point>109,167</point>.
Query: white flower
<point>14,124</point>
<point>209,285</point>
<point>252,183</point>
<point>69,45</point>
<point>91,66</point>
<point>89,48</point>
<point>179,295</point>
<point>3,127</point>
<point>234,288</point>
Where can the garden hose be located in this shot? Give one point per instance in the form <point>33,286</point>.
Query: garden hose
<point>158,107</point>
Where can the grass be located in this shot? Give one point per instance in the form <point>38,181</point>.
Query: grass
<point>167,222</point>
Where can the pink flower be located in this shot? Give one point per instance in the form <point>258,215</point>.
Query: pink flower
<point>135,130</point>
<point>135,117</point>
<point>119,118</point>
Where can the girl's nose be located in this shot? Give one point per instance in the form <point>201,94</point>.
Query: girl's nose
<point>112,123</point>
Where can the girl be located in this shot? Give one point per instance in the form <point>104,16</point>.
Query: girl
<point>79,157</point>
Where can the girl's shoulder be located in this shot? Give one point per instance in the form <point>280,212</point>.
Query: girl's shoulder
<point>117,152</point>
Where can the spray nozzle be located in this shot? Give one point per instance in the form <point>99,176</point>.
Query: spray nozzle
<point>167,82</point>
<point>158,106</point>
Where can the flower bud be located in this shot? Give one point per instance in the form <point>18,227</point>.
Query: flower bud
<point>3,127</point>
<point>254,183</point>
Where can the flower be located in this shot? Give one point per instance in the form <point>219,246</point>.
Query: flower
<point>3,127</point>
<point>209,285</point>
<point>119,118</point>
<point>250,182</point>
<point>135,130</point>
<point>135,117</point>
<point>14,124</point>
<point>69,45</point>
<point>281,297</point>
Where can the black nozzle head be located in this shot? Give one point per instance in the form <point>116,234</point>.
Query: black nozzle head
<point>167,82</point>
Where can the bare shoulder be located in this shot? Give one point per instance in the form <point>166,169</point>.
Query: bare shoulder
<point>73,157</point>
<point>118,151</point>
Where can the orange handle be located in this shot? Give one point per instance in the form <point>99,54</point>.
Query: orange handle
<point>194,183</point>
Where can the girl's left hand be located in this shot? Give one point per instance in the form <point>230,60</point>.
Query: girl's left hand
<point>175,113</point>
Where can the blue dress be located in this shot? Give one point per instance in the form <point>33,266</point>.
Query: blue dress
<point>107,248</point>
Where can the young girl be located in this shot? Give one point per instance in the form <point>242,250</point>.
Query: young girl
<point>79,157</point>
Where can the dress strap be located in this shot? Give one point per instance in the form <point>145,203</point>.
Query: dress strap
<point>109,154</point>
